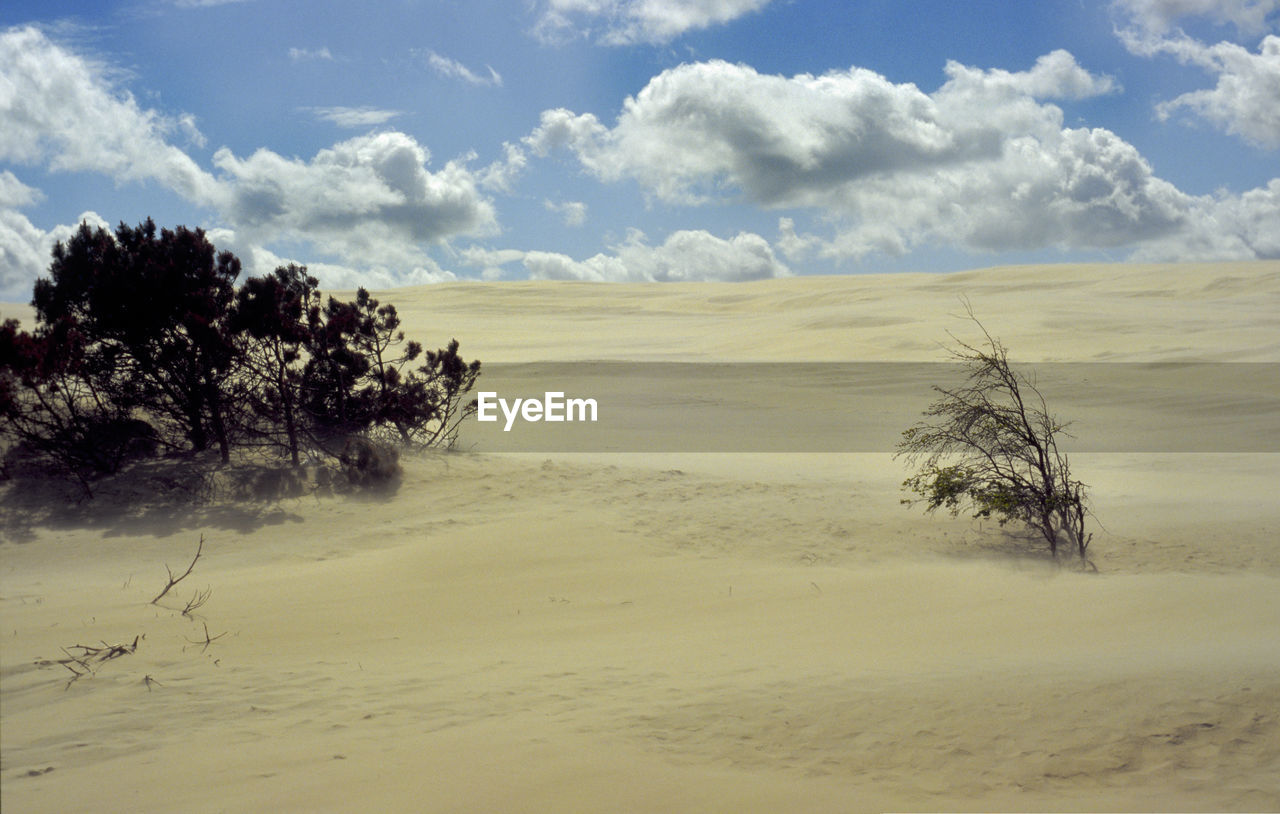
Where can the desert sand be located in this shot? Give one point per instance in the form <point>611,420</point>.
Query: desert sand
<point>639,631</point>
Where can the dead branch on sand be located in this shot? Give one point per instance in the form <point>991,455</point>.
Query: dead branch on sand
<point>175,580</point>
<point>90,656</point>
<point>197,601</point>
<point>208,640</point>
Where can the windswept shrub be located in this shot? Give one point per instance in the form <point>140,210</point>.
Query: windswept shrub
<point>990,447</point>
<point>51,411</point>
<point>359,379</point>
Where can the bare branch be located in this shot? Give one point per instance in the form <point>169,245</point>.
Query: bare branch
<point>197,601</point>
<point>208,640</point>
<point>175,580</point>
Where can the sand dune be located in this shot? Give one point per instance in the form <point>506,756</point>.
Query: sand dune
<point>651,631</point>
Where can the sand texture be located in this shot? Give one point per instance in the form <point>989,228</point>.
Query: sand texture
<point>675,631</point>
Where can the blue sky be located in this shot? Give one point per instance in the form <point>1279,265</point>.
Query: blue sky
<point>646,140</point>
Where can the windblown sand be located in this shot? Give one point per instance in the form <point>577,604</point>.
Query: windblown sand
<point>673,632</point>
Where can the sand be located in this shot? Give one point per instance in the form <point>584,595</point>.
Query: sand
<point>674,631</point>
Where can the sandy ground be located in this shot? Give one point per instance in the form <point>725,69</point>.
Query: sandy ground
<point>673,631</point>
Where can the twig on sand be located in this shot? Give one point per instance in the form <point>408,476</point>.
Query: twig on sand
<point>208,640</point>
<point>175,580</point>
<point>83,664</point>
<point>197,601</point>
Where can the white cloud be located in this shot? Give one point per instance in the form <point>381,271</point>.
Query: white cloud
<point>1086,189</point>
<point>573,212</point>
<point>454,69</point>
<point>685,256</point>
<point>60,112</point>
<point>354,116</point>
<point>560,129</point>
<point>368,203</point>
<point>699,130</point>
<point>15,194</point>
<point>24,255</point>
<point>25,248</point>
<point>983,161</point>
<point>501,175</point>
<point>1246,100</point>
<point>258,261</point>
<point>1158,17</point>
<point>1225,227</point>
<point>490,261</point>
<point>1055,75</point>
<point>625,22</point>
<point>368,199</point>
<point>308,54</point>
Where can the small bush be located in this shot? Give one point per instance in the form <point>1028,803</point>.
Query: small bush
<point>990,446</point>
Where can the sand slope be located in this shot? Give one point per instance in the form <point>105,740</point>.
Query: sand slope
<point>673,632</point>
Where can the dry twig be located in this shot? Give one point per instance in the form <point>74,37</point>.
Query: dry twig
<point>83,664</point>
<point>175,580</point>
<point>208,640</point>
<point>197,601</point>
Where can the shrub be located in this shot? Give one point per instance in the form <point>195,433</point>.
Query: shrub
<point>151,309</point>
<point>143,342</point>
<point>990,446</point>
<point>51,411</point>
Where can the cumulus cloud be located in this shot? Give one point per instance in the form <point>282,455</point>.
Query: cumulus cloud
<point>984,161</point>
<point>366,203</point>
<point>257,261</point>
<point>1086,189</point>
<point>501,175</point>
<point>25,248</point>
<point>24,254</point>
<point>454,69</point>
<point>369,197</point>
<point>15,194</point>
<point>60,112</point>
<point>625,22</point>
<point>1224,227</point>
<point>354,116</point>
<point>698,130</point>
<point>685,256</point>
<point>490,261</point>
<point>1246,100</point>
<point>1158,17</point>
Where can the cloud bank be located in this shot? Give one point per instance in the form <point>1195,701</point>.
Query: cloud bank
<point>685,256</point>
<point>984,162</point>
